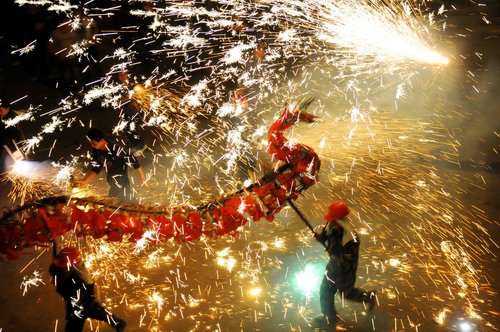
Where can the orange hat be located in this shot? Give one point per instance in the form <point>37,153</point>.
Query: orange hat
<point>68,255</point>
<point>336,210</point>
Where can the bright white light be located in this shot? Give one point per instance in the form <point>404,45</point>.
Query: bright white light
<point>23,168</point>
<point>465,326</point>
<point>247,182</point>
<point>309,279</point>
<point>394,262</point>
<point>255,291</point>
<point>370,31</point>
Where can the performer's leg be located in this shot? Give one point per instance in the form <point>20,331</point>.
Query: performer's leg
<point>360,295</point>
<point>97,311</point>
<point>114,190</point>
<point>119,187</point>
<point>326,298</point>
<point>74,322</point>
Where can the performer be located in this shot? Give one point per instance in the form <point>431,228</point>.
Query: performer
<point>342,244</point>
<point>116,161</point>
<point>74,284</point>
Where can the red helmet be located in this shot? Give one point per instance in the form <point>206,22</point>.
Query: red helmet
<point>68,255</point>
<point>336,210</point>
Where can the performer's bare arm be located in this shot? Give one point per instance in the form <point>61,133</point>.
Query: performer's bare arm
<point>86,179</point>
<point>140,172</point>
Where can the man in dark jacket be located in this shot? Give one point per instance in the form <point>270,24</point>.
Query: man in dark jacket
<point>74,284</point>
<point>342,244</point>
<point>115,160</point>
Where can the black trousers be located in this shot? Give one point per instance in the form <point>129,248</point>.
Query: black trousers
<point>119,187</point>
<point>334,281</point>
<point>94,310</point>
